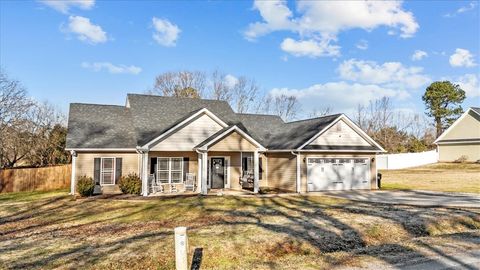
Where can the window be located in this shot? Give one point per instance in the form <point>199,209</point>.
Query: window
<point>107,171</point>
<point>248,165</point>
<point>170,170</point>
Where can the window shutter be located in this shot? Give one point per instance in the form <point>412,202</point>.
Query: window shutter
<point>186,167</point>
<point>118,169</point>
<point>96,170</point>
<point>153,165</point>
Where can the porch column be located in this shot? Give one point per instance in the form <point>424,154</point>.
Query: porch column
<point>204,173</point>
<point>255,172</point>
<point>73,176</point>
<point>144,172</point>
<point>199,173</point>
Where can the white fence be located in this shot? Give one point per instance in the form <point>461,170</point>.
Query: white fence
<point>406,160</point>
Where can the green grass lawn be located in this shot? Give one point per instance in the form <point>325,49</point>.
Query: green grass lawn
<point>448,177</point>
<point>53,230</point>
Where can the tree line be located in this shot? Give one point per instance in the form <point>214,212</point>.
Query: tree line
<point>34,133</point>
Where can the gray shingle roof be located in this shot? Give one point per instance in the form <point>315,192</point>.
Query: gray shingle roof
<point>147,116</point>
<point>100,126</point>
<point>153,115</point>
<point>475,109</point>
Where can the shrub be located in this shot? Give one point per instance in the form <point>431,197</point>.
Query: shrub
<point>130,184</point>
<point>85,186</point>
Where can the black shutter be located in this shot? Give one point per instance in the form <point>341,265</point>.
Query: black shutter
<point>96,170</point>
<point>153,165</point>
<point>260,168</point>
<point>118,169</point>
<point>186,167</point>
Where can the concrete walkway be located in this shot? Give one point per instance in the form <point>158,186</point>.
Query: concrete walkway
<point>413,197</point>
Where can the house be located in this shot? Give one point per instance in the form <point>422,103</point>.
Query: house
<point>166,140</point>
<point>462,139</point>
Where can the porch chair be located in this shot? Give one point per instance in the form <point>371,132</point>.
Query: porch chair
<point>190,182</point>
<point>246,181</point>
<point>154,186</point>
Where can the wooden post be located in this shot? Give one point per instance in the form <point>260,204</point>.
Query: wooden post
<point>181,245</point>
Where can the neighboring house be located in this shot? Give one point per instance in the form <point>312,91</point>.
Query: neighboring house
<point>462,139</point>
<point>166,140</point>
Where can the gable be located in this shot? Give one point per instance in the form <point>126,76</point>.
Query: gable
<point>233,142</point>
<point>340,134</point>
<point>467,127</point>
<point>187,137</point>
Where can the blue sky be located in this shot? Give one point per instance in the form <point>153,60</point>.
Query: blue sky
<point>328,54</point>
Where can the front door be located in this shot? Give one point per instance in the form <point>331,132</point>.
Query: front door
<point>218,172</point>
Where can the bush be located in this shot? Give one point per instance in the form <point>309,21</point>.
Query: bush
<point>130,184</point>
<point>85,186</point>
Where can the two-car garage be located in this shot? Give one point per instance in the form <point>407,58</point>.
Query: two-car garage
<point>335,173</point>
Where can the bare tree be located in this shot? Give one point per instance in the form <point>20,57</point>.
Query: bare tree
<point>26,128</point>
<point>180,84</point>
<point>221,90</point>
<point>285,106</point>
<point>317,112</point>
<point>13,100</point>
<point>244,94</point>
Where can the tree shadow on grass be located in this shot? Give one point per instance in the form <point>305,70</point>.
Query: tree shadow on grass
<point>300,218</point>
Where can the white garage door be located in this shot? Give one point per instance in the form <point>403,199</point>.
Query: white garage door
<point>338,173</point>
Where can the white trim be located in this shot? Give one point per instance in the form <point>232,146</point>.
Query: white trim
<point>114,171</point>
<point>256,184</point>
<point>204,173</point>
<point>101,149</point>
<point>144,173</point>
<point>320,151</point>
<point>169,170</point>
<point>454,124</point>
<point>238,130</point>
<point>72,178</point>
<point>175,128</point>
<point>352,125</point>
<point>457,142</point>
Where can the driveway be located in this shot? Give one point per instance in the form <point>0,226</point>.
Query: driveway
<point>413,197</point>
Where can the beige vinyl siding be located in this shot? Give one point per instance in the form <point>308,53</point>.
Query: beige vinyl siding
<point>303,166</point>
<point>282,171</point>
<point>466,128</point>
<point>452,152</point>
<point>189,136</point>
<point>233,142</point>
<point>340,134</point>
<point>84,164</point>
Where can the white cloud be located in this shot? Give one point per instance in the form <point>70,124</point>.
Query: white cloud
<point>462,9</point>
<point>230,80</point>
<point>114,69</point>
<point>462,58</point>
<point>166,33</point>
<point>85,30</point>
<point>65,5</point>
<point>311,48</point>
<point>469,83</point>
<point>388,74</point>
<point>362,44</point>
<point>346,96</point>
<point>323,20</point>
<point>419,55</point>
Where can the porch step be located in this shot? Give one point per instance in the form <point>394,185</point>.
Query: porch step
<point>114,189</point>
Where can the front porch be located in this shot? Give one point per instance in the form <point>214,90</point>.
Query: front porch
<point>208,172</point>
